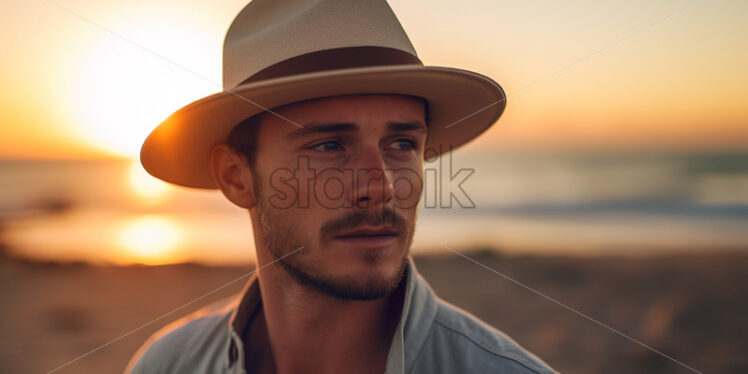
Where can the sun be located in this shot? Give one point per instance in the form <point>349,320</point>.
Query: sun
<point>145,187</point>
<point>129,84</point>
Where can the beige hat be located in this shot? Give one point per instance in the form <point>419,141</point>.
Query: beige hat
<point>278,52</point>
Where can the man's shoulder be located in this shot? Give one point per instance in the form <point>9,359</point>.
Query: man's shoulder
<point>481,347</point>
<point>194,341</point>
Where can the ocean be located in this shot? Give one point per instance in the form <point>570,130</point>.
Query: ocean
<point>544,203</point>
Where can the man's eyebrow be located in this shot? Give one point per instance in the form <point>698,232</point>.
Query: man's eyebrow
<point>407,126</point>
<point>316,128</point>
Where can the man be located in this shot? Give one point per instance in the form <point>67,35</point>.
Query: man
<point>321,135</point>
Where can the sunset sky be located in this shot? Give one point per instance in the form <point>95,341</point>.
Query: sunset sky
<point>91,78</point>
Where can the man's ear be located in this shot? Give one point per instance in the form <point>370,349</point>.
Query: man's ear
<point>232,175</point>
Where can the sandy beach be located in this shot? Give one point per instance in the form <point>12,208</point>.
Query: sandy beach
<point>691,307</point>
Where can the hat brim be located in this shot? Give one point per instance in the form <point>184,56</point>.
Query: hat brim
<point>462,105</point>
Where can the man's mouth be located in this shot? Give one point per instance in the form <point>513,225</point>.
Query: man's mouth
<point>369,237</point>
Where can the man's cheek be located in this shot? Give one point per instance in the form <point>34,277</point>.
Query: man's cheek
<point>407,184</point>
<point>330,188</point>
<point>283,189</point>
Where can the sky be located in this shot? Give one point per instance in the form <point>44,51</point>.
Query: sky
<point>91,79</point>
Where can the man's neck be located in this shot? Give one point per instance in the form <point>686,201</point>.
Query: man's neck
<point>299,329</point>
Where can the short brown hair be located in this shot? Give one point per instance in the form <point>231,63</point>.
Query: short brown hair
<point>243,138</point>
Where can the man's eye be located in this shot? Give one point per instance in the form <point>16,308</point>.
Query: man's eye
<point>327,146</point>
<point>404,144</point>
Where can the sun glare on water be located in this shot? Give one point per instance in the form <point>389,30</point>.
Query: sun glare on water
<point>151,240</point>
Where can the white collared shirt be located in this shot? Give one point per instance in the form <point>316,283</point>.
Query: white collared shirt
<point>432,336</point>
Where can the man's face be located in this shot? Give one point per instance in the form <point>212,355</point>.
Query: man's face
<point>345,187</point>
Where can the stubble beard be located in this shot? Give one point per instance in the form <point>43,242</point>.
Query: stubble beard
<point>282,237</point>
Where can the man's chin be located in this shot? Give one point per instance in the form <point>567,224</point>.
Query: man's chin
<point>364,281</point>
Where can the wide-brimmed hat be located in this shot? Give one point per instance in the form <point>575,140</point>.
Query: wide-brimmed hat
<point>278,52</point>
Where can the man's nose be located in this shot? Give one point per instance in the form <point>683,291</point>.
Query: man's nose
<point>373,181</point>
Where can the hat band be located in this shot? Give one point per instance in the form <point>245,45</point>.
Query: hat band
<point>334,59</point>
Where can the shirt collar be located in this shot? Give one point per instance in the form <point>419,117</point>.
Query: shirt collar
<point>419,309</point>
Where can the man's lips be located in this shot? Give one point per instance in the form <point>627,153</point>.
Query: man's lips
<point>371,237</point>
<point>382,231</point>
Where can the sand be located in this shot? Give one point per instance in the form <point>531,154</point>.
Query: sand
<point>691,307</point>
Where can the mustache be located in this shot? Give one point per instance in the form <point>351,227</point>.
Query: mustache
<point>386,217</point>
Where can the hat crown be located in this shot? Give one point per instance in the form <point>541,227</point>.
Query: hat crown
<point>268,32</point>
